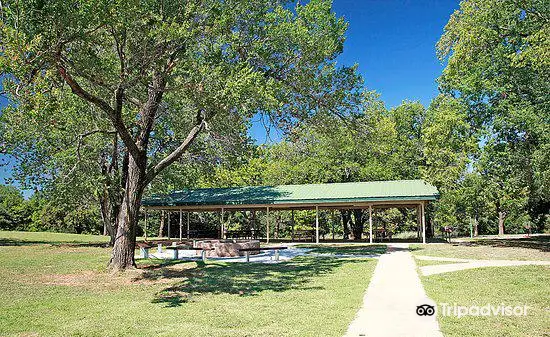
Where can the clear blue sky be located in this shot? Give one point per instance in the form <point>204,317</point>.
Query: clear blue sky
<point>393,41</point>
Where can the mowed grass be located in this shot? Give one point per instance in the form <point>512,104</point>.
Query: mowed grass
<point>423,263</point>
<point>345,249</point>
<point>65,290</point>
<point>534,248</point>
<point>8,238</point>
<point>514,286</point>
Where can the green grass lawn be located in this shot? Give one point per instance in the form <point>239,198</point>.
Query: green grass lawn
<point>64,290</point>
<point>423,263</point>
<point>526,285</point>
<point>8,238</point>
<point>536,248</point>
<point>354,249</point>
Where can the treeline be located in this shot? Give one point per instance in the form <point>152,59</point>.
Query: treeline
<point>408,142</point>
<point>484,141</point>
<point>37,214</point>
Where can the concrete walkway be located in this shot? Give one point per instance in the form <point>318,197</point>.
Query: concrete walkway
<point>389,305</point>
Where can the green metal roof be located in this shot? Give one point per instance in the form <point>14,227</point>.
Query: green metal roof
<point>393,190</point>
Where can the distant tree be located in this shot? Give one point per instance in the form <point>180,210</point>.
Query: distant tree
<point>370,144</point>
<point>498,63</point>
<point>447,143</point>
<point>14,214</point>
<point>503,188</point>
<point>408,118</point>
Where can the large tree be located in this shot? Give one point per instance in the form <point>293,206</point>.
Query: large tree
<point>67,156</point>
<point>498,63</point>
<point>158,72</point>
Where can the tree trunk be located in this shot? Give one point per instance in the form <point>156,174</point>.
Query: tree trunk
<point>357,227</point>
<point>161,227</point>
<point>109,205</point>
<point>475,226</point>
<point>345,220</point>
<point>108,217</point>
<point>123,250</point>
<point>501,217</point>
<point>277,226</point>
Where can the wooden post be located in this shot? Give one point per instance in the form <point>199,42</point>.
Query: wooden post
<point>223,226</point>
<point>292,238</point>
<point>423,224</point>
<point>181,223</point>
<point>418,220</point>
<point>187,225</point>
<point>316,224</point>
<point>370,223</point>
<point>332,220</point>
<point>161,227</point>
<point>145,232</point>
<point>267,226</point>
<point>169,223</point>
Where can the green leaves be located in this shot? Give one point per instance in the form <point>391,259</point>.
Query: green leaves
<point>497,64</point>
<point>447,142</point>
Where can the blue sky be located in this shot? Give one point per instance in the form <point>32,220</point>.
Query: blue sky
<point>393,42</point>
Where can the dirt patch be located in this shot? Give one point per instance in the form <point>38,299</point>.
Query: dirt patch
<point>105,280</point>
<point>74,280</point>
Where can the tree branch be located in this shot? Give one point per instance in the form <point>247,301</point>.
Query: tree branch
<point>116,118</point>
<point>177,153</point>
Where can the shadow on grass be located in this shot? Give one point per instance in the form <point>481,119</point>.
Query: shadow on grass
<point>12,242</point>
<point>243,279</point>
<point>541,243</point>
<point>346,249</point>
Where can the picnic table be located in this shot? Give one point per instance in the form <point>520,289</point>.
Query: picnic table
<point>175,249</point>
<point>381,234</point>
<point>144,249</point>
<point>303,235</point>
<point>248,250</point>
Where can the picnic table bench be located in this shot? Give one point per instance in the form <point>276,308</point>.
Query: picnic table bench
<point>144,249</point>
<point>248,250</point>
<point>175,249</point>
<point>303,235</point>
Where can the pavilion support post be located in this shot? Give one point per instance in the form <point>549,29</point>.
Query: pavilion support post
<point>145,230</point>
<point>316,224</point>
<point>181,224</point>
<point>332,220</point>
<point>267,225</point>
<point>222,225</point>
<point>169,223</point>
<point>187,225</point>
<point>418,220</point>
<point>162,231</point>
<point>292,222</point>
<point>423,223</point>
<point>370,223</point>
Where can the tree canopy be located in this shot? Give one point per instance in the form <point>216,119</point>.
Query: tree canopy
<point>113,100</point>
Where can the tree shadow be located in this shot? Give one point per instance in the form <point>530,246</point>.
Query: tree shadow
<point>353,249</point>
<point>242,279</point>
<point>541,243</point>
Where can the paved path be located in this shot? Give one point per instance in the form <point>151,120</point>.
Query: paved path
<point>389,305</point>
<point>470,264</point>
